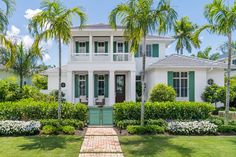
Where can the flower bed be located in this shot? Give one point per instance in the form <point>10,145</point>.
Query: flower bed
<point>9,127</point>
<point>192,128</point>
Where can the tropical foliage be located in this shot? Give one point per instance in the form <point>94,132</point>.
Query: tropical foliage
<point>40,81</point>
<point>162,93</point>
<point>206,54</point>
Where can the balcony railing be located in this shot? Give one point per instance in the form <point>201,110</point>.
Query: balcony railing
<point>121,57</point>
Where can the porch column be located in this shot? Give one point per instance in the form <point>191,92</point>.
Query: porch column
<point>132,86</point>
<point>112,88</point>
<point>111,49</point>
<point>69,87</point>
<point>91,88</point>
<point>90,48</point>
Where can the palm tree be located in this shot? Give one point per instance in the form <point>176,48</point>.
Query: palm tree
<point>139,18</point>
<point>222,20</point>
<point>25,62</point>
<point>4,15</point>
<point>54,22</point>
<point>184,30</point>
<point>206,54</point>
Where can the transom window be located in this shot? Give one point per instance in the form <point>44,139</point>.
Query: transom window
<point>120,47</point>
<point>101,47</point>
<point>82,85</point>
<point>180,80</point>
<point>82,47</point>
<point>101,85</point>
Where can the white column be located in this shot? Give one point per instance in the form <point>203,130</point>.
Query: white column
<point>132,86</point>
<point>111,88</point>
<point>69,87</point>
<point>91,88</point>
<point>90,48</point>
<point>111,49</point>
<point>71,49</point>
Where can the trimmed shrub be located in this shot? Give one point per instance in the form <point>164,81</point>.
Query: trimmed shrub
<point>216,120</point>
<point>63,122</point>
<point>163,110</point>
<point>49,130</point>
<point>69,130</point>
<point>162,93</point>
<point>227,129</point>
<point>159,122</point>
<point>192,128</point>
<point>9,127</point>
<point>147,129</point>
<point>124,123</point>
<point>29,109</point>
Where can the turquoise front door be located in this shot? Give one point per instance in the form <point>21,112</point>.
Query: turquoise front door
<point>100,116</point>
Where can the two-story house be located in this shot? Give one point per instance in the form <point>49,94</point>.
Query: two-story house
<point>101,68</point>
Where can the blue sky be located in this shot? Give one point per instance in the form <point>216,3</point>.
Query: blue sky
<point>98,11</point>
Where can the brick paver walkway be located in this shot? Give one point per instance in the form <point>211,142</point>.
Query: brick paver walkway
<point>101,142</point>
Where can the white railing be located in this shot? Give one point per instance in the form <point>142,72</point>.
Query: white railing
<point>80,54</point>
<point>121,57</point>
<point>101,54</point>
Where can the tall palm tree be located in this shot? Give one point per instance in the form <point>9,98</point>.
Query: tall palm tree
<point>222,20</point>
<point>25,62</point>
<point>54,22</point>
<point>184,30</point>
<point>206,54</point>
<point>139,18</point>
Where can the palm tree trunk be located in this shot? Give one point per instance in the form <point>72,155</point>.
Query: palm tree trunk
<point>228,79</point>
<point>143,81</point>
<point>59,85</point>
<point>21,81</point>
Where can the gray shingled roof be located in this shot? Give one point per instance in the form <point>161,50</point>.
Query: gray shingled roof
<point>179,61</point>
<point>98,26</point>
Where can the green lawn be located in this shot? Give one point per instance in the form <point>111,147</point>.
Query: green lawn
<point>179,146</point>
<point>40,146</point>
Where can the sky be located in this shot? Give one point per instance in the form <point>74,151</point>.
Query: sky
<point>97,12</point>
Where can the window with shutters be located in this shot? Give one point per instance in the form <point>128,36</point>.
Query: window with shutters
<point>180,84</point>
<point>149,50</point>
<point>234,61</point>
<point>101,47</point>
<point>140,49</point>
<point>101,84</point>
<point>120,47</point>
<point>82,85</point>
<point>82,47</point>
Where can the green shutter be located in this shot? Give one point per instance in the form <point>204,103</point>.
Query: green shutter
<point>96,46</point>
<point>106,86</point>
<point>77,47</point>
<point>76,86</point>
<point>126,46</point>
<point>191,86</point>
<point>106,46</point>
<point>114,47</point>
<point>87,47</point>
<point>87,85</point>
<point>136,54</point>
<point>170,78</point>
<point>95,86</point>
<point>155,50</point>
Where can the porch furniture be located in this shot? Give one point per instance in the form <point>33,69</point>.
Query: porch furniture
<point>100,100</point>
<point>83,100</point>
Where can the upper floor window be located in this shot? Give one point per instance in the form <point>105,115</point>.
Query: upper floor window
<point>149,50</point>
<point>101,47</point>
<point>82,47</point>
<point>234,61</point>
<point>180,80</point>
<point>120,47</point>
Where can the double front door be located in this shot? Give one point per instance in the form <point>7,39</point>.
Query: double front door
<point>120,88</point>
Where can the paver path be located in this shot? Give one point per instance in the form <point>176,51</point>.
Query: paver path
<point>101,142</point>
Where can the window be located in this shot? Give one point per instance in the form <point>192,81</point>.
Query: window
<point>234,61</point>
<point>149,50</point>
<point>120,47</point>
<point>82,85</point>
<point>82,47</point>
<point>180,80</point>
<point>101,85</point>
<point>101,47</point>
<point>140,49</point>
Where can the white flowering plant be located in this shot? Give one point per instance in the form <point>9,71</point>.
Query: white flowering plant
<point>192,127</point>
<point>10,127</point>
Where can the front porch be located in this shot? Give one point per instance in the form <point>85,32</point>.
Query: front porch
<point>100,88</point>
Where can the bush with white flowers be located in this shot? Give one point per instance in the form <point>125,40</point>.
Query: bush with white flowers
<point>9,127</point>
<point>192,128</point>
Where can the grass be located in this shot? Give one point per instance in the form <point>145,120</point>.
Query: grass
<point>178,146</point>
<point>40,146</point>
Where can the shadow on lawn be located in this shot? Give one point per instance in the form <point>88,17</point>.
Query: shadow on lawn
<point>48,142</point>
<point>153,145</point>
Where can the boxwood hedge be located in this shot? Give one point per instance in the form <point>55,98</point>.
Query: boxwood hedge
<point>29,109</point>
<point>163,110</point>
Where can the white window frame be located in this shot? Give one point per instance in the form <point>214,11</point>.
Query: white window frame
<point>82,49</point>
<point>147,48</point>
<point>101,78</point>
<point>123,49</point>
<point>101,49</point>
<point>180,78</point>
<point>82,81</point>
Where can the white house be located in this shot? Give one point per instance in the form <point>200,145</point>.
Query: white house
<point>100,65</point>
<point>224,58</point>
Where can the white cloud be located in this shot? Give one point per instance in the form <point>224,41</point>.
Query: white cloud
<point>30,13</point>
<point>28,41</point>
<point>46,58</point>
<point>14,31</point>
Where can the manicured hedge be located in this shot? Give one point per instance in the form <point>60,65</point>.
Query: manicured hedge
<point>163,110</point>
<point>77,124</point>
<point>29,109</point>
<point>147,129</point>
